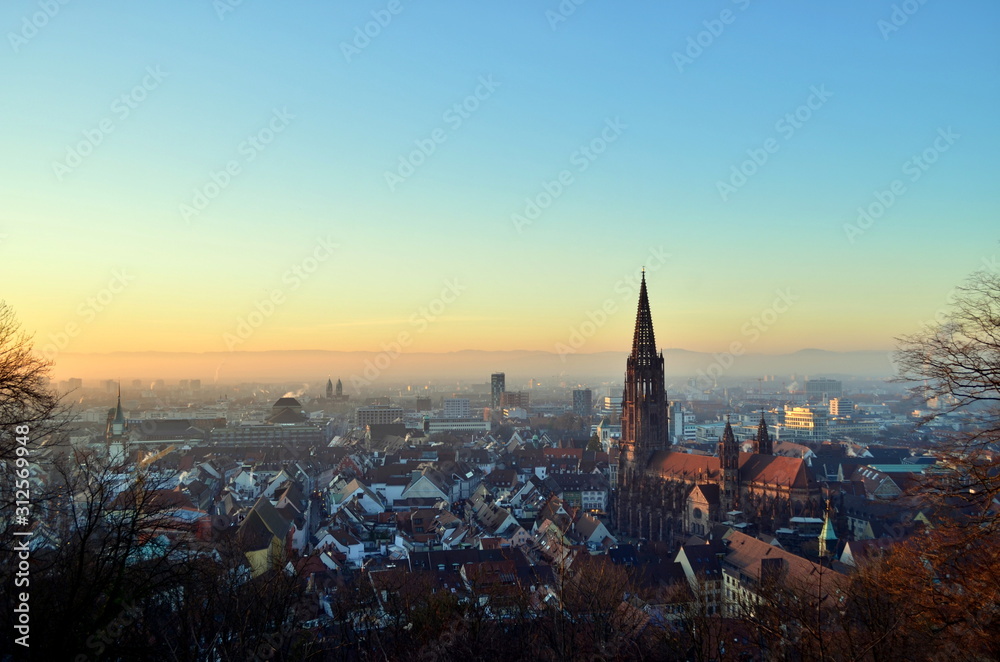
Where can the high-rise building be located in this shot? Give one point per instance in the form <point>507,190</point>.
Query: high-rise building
<point>583,402</point>
<point>497,387</point>
<point>821,391</point>
<point>423,404</point>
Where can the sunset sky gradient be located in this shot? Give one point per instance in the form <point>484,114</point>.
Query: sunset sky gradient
<point>105,247</point>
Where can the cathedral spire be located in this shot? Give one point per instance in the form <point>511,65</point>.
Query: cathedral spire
<point>119,413</point>
<point>643,340</point>
<point>763,441</point>
<point>116,421</point>
<point>644,399</point>
<point>827,536</point>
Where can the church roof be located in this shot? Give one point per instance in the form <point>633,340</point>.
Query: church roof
<point>773,470</point>
<point>670,464</point>
<point>763,469</point>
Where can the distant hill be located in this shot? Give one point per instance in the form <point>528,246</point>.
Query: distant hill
<point>466,365</point>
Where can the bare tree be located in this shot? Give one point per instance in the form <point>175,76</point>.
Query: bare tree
<point>25,397</point>
<point>952,570</point>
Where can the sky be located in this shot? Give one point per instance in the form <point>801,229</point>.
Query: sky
<point>246,176</point>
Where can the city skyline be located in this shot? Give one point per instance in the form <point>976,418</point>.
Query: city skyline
<point>249,178</point>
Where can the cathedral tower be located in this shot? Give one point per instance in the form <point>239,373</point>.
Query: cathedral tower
<point>729,467</point>
<point>644,401</point>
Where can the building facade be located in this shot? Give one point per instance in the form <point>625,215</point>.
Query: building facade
<point>583,402</point>
<point>378,415</point>
<point>497,386</point>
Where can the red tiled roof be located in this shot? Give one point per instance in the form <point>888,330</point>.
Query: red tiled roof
<point>773,470</point>
<point>684,466</point>
<point>754,468</point>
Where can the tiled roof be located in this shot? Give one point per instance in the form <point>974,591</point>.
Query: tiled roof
<point>774,470</point>
<point>757,559</point>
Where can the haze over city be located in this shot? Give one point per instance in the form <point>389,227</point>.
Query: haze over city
<point>217,178</point>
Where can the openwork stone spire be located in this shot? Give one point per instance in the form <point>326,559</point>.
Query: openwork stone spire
<point>643,341</point>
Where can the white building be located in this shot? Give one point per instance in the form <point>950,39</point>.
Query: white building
<point>378,415</point>
<point>447,424</point>
<point>457,408</point>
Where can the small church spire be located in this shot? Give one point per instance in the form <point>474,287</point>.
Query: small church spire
<point>763,441</point>
<point>119,412</point>
<point>827,536</point>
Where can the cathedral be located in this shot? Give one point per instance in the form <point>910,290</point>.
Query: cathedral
<point>667,495</point>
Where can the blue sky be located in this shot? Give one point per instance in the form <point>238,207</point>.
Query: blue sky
<point>555,86</point>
